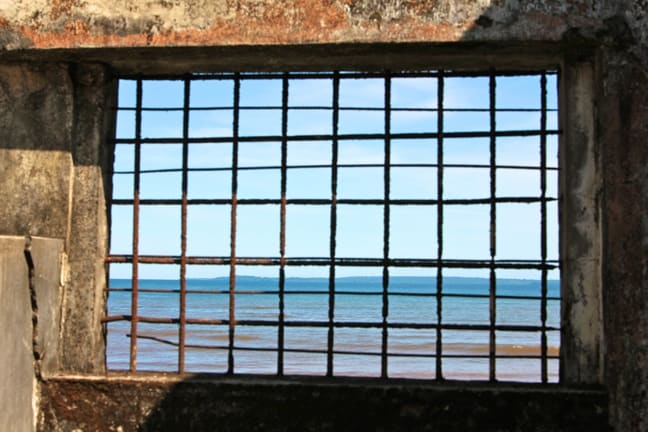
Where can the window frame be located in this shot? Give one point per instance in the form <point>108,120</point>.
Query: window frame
<point>580,225</point>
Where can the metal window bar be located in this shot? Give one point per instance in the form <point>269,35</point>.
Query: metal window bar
<point>183,230</point>
<point>233,218</point>
<point>341,137</point>
<point>492,343</point>
<point>333,225</point>
<point>135,244</point>
<point>334,261</point>
<point>439,264</point>
<point>282,223</point>
<point>386,223</point>
<point>543,226</point>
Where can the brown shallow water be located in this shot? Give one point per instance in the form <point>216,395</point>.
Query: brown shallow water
<point>153,355</point>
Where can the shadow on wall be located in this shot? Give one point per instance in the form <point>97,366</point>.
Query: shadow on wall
<point>254,404</point>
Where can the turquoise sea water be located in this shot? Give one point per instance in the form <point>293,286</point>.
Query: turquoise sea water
<point>307,300</point>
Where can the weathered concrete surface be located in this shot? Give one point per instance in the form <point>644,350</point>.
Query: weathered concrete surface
<point>17,379</point>
<point>53,126</point>
<point>158,403</point>
<point>582,343</point>
<point>35,164</point>
<point>87,247</point>
<point>28,345</point>
<point>48,260</point>
<point>624,135</point>
<point>95,23</point>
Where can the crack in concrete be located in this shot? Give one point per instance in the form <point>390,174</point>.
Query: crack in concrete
<point>38,355</point>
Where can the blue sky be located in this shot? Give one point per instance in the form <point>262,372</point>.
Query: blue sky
<point>359,232</point>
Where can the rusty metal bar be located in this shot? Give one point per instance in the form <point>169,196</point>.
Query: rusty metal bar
<point>439,266</point>
<point>493,227</point>
<point>341,352</point>
<point>322,292</point>
<point>337,324</point>
<point>386,222</point>
<point>347,75</point>
<point>348,262</point>
<point>320,351</point>
<point>233,218</point>
<point>333,226</point>
<point>543,227</point>
<point>328,108</point>
<point>136,208</point>
<point>405,202</point>
<point>344,352</point>
<point>325,166</point>
<point>183,229</point>
<point>341,137</point>
<point>282,223</point>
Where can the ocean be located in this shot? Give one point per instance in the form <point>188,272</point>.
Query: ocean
<point>357,300</point>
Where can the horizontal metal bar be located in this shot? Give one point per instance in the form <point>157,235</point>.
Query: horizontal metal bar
<point>327,108</point>
<point>325,166</point>
<point>340,201</point>
<point>163,320</point>
<point>341,137</point>
<point>343,293</point>
<point>359,262</point>
<point>329,75</point>
<point>497,296</point>
<point>337,324</point>
<point>338,352</point>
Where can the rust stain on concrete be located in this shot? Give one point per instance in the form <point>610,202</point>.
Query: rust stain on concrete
<point>77,34</point>
<point>247,22</point>
<point>63,7</point>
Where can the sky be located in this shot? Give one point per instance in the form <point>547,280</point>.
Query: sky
<point>413,229</point>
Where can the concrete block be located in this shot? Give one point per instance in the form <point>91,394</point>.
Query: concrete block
<point>17,380</point>
<point>19,353</point>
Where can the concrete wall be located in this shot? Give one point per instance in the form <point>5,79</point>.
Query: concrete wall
<point>51,159</point>
<point>55,120</point>
<point>162,403</point>
<point>623,123</point>
<point>41,24</point>
<point>29,318</point>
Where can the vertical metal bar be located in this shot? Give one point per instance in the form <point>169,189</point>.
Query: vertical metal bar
<point>439,277</point>
<point>136,208</point>
<point>333,229</point>
<point>183,231</point>
<point>282,229</point>
<point>493,227</point>
<point>385,271</point>
<point>543,224</point>
<point>232,274</point>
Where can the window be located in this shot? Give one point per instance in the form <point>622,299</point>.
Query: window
<point>392,224</point>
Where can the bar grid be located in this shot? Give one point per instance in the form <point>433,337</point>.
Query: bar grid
<point>411,330</point>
